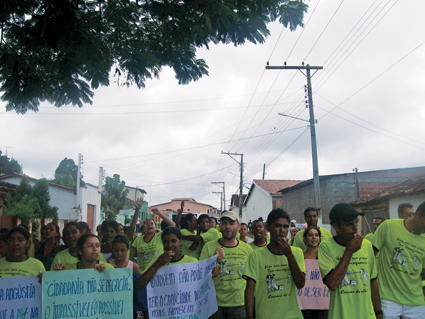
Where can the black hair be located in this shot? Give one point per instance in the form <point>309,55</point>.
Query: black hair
<point>402,206</point>
<point>19,229</point>
<point>4,231</point>
<point>121,239</point>
<point>421,210</point>
<point>310,209</point>
<point>214,219</point>
<point>185,219</point>
<point>305,234</point>
<point>82,240</point>
<point>244,224</point>
<point>84,227</point>
<point>201,217</point>
<point>110,223</point>
<point>379,217</point>
<point>75,224</point>
<point>257,221</point>
<point>276,214</point>
<point>171,230</point>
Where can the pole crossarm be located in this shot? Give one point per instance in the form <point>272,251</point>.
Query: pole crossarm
<point>294,67</point>
<point>241,178</point>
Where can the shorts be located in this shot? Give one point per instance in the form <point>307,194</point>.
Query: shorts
<point>393,310</point>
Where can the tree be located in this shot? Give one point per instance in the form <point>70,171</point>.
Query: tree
<point>66,174</point>
<point>8,166</point>
<point>60,50</point>
<point>114,196</point>
<point>30,202</point>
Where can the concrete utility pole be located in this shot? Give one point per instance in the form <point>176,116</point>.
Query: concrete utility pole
<point>312,121</point>
<point>221,200</point>
<point>241,179</point>
<point>80,161</point>
<point>264,170</point>
<point>224,193</point>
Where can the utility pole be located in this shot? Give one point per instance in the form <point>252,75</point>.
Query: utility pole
<point>312,121</point>
<point>264,170</point>
<point>241,179</point>
<point>80,161</point>
<point>221,200</point>
<point>224,193</point>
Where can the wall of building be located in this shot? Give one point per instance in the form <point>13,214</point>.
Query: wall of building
<point>90,196</point>
<point>189,207</point>
<point>414,200</point>
<point>259,204</point>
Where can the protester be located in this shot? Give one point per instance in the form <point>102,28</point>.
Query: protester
<point>188,225</point>
<point>377,221</point>
<point>71,233</point>
<point>401,243</point>
<point>120,246</point>
<point>135,219</point>
<point>250,225</point>
<point>85,227</point>
<point>311,239</point>
<point>228,282</point>
<point>214,223</point>
<point>109,231</point>
<point>274,273</point>
<point>149,247</point>
<point>311,216</point>
<point>205,231</point>
<point>347,266</point>
<point>260,235</point>
<point>243,232</point>
<point>405,210</point>
<point>45,251</point>
<point>293,232</point>
<point>17,263</point>
<point>88,250</point>
<point>3,245</point>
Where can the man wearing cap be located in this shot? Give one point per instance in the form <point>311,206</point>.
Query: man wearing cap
<point>274,273</point>
<point>311,216</point>
<point>401,246</point>
<point>347,266</point>
<point>229,284</point>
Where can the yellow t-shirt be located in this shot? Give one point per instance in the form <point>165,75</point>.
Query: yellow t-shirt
<point>210,235</point>
<point>29,267</point>
<point>369,237</point>
<point>299,240</point>
<point>184,260</point>
<point>74,265</point>
<point>186,244</point>
<point>64,257</point>
<point>353,298</point>
<point>254,246</point>
<point>146,252</point>
<point>229,285</point>
<point>275,291</point>
<point>400,262</point>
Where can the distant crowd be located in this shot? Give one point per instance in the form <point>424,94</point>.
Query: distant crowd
<point>261,265</point>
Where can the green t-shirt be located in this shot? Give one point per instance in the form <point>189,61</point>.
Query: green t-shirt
<point>29,267</point>
<point>275,291</point>
<point>353,298</point>
<point>229,285</point>
<point>210,235</point>
<point>146,252</point>
<point>64,257</point>
<point>254,246</point>
<point>186,244</point>
<point>74,265</point>
<point>400,262</point>
<point>184,260</point>
<point>369,237</point>
<point>299,242</point>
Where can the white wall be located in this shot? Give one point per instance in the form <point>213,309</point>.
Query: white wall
<point>90,195</point>
<point>414,200</point>
<point>259,204</point>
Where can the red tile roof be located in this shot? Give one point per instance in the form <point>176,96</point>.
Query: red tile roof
<point>273,186</point>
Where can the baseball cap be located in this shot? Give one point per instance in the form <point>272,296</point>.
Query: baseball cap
<point>230,215</point>
<point>343,212</point>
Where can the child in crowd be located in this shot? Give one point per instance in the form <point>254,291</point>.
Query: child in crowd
<point>45,251</point>
<point>109,231</point>
<point>17,263</point>
<point>243,232</point>
<point>120,246</point>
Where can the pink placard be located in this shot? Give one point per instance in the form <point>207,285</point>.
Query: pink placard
<point>315,295</point>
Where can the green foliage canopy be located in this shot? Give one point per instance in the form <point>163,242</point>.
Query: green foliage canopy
<point>61,50</point>
<point>66,174</point>
<point>8,166</point>
<point>114,196</point>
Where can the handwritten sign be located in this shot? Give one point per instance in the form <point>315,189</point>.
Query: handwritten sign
<point>20,297</point>
<point>183,291</point>
<point>88,294</point>
<point>315,295</point>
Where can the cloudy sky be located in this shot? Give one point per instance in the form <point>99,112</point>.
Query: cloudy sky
<point>368,99</point>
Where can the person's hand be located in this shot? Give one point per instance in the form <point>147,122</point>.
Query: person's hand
<point>164,258</point>
<point>100,268</point>
<point>59,267</point>
<point>182,206</point>
<point>155,211</point>
<point>215,271</point>
<point>355,244</point>
<point>284,246</point>
<point>139,203</point>
<point>220,253</point>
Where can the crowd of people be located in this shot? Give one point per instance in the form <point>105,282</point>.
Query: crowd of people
<point>261,265</point>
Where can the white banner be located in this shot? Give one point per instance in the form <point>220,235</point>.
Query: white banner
<point>184,291</point>
<point>20,297</point>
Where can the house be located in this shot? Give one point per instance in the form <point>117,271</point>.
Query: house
<point>263,196</point>
<point>190,206</point>
<point>385,203</point>
<point>347,188</point>
<point>134,193</point>
<point>234,204</point>
<point>65,199</point>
